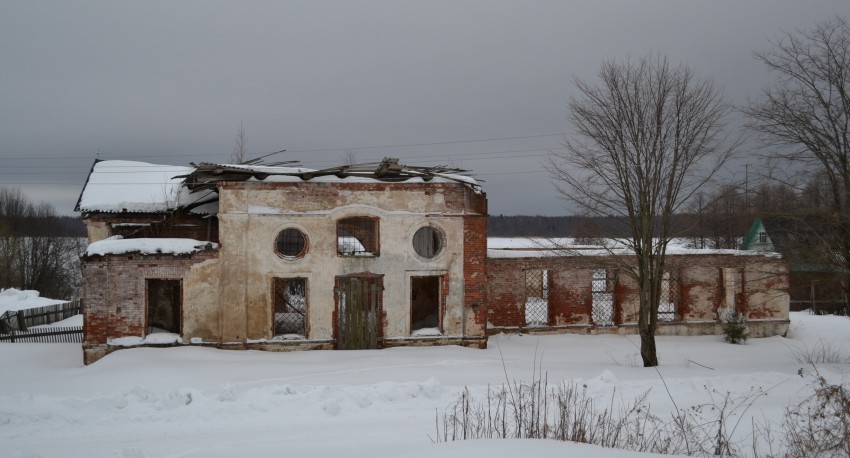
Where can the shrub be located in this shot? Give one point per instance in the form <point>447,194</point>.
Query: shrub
<point>735,329</point>
<point>820,425</point>
<point>820,353</point>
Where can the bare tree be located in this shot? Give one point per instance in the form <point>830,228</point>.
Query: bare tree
<point>349,158</point>
<point>803,116</point>
<point>239,155</point>
<point>649,135</point>
<point>36,252</point>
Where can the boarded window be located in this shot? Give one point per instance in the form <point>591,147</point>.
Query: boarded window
<point>669,299</point>
<point>164,299</point>
<point>425,305</point>
<point>357,236</point>
<point>602,310</point>
<point>536,297</point>
<point>427,242</point>
<point>290,308</point>
<point>291,243</point>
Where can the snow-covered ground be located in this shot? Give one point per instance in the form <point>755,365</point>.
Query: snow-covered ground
<point>204,402</point>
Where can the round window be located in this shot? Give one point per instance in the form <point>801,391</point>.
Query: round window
<point>427,242</point>
<point>291,243</point>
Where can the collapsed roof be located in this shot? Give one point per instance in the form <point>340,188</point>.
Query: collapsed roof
<point>137,187</point>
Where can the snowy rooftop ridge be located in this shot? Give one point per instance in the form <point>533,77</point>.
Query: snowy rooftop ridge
<point>118,245</point>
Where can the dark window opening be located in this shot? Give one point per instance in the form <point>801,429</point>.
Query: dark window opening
<point>427,242</point>
<point>291,243</point>
<point>164,303</point>
<point>357,236</point>
<point>290,308</point>
<point>762,237</point>
<point>425,305</point>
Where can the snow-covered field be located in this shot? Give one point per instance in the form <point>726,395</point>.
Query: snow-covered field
<point>203,402</point>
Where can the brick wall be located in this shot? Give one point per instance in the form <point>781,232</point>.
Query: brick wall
<point>475,274</point>
<point>114,291</point>
<point>700,289</point>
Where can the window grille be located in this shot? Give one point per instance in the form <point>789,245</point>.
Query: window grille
<point>536,297</point>
<point>290,308</point>
<point>357,236</point>
<point>669,298</point>
<point>291,243</point>
<point>602,310</point>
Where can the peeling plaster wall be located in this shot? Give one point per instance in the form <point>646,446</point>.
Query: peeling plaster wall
<point>252,214</point>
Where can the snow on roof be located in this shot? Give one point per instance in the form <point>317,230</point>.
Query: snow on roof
<point>138,187</point>
<point>541,247</point>
<point>12,300</point>
<point>356,173</point>
<point>118,245</point>
<point>116,186</point>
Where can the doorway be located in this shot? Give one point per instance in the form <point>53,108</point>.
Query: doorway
<point>164,306</point>
<point>358,305</point>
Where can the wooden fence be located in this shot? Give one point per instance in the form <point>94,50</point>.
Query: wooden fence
<point>73,334</point>
<point>22,320</point>
<point>29,325</point>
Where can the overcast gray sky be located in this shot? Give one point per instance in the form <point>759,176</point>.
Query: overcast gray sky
<point>479,85</point>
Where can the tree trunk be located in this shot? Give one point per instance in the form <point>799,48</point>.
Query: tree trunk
<point>647,348</point>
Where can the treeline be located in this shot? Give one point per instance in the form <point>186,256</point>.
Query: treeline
<point>39,249</point>
<point>714,219</point>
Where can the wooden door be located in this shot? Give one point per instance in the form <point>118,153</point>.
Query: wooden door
<point>357,312</point>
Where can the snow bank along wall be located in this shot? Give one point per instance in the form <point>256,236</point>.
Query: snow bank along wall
<point>590,294</point>
<point>295,261</point>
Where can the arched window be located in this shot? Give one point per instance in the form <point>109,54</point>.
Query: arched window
<point>291,243</point>
<point>357,236</point>
<point>428,242</point>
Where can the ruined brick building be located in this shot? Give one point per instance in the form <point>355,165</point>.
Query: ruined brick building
<point>355,257</point>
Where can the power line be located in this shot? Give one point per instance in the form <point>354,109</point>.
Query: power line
<point>344,148</point>
<point>459,157</point>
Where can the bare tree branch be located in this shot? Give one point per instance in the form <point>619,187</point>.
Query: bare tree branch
<point>649,136</point>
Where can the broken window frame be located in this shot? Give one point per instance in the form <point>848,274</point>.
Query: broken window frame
<point>428,242</point>
<point>349,245</point>
<point>288,238</point>
<point>294,317</point>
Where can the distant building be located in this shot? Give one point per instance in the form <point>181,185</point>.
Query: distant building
<point>817,279</point>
